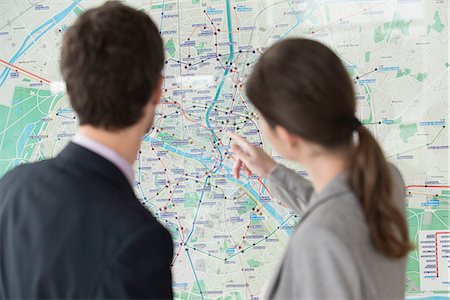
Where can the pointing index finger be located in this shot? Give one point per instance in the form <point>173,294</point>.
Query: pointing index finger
<point>240,141</point>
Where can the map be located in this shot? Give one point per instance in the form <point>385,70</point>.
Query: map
<point>229,234</point>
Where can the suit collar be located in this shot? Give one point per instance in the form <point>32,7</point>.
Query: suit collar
<point>104,151</point>
<point>84,158</point>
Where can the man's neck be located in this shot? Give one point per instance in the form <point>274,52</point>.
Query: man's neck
<point>125,142</point>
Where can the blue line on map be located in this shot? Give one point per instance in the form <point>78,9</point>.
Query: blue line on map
<point>297,22</point>
<point>24,138</point>
<point>430,298</point>
<point>219,88</point>
<point>25,46</point>
<point>267,206</point>
<point>195,274</point>
<point>162,14</point>
<point>198,208</point>
<point>201,159</point>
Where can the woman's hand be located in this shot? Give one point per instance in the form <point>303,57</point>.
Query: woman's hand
<point>250,158</point>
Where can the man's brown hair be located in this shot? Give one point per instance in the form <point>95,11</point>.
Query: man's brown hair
<point>111,60</point>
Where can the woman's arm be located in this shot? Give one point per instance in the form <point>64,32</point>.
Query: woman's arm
<point>286,185</point>
<point>289,188</point>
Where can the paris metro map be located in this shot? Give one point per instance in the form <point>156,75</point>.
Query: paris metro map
<point>229,234</point>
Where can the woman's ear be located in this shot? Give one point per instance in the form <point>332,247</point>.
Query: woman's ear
<point>291,141</point>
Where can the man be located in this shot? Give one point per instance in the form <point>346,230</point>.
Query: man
<point>71,227</point>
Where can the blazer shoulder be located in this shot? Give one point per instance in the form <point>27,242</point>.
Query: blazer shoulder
<point>24,171</point>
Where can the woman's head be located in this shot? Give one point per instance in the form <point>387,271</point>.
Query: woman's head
<point>306,98</point>
<point>302,86</point>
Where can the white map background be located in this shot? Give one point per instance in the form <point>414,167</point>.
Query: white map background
<point>229,234</point>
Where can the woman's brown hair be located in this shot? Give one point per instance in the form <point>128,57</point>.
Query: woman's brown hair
<point>303,86</point>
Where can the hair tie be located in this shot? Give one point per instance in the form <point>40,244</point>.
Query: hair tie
<point>356,124</point>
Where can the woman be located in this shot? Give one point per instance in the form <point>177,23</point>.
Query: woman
<point>352,240</point>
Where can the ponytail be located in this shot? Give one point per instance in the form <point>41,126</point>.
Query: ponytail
<point>371,180</point>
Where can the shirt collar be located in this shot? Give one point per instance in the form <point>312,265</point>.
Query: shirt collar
<point>107,153</point>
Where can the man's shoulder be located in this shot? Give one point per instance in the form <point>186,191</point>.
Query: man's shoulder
<point>25,171</point>
<point>75,194</point>
<point>45,174</point>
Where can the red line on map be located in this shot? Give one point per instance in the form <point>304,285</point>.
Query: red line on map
<point>347,17</point>
<point>11,66</point>
<point>436,241</point>
<point>427,186</point>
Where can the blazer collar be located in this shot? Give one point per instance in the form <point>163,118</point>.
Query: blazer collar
<point>337,186</point>
<point>83,158</point>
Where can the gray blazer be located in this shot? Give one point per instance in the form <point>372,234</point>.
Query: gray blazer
<point>330,255</point>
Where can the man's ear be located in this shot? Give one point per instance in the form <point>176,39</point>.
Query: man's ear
<point>156,97</point>
<point>287,138</point>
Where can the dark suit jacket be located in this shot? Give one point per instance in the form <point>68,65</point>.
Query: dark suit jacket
<point>71,227</point>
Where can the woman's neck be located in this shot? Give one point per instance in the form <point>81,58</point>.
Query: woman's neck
<point>324,168</point>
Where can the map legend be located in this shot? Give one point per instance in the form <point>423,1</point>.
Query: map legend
<point>434,249</point>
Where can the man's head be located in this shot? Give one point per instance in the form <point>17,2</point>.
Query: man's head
<point>111,60</point>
